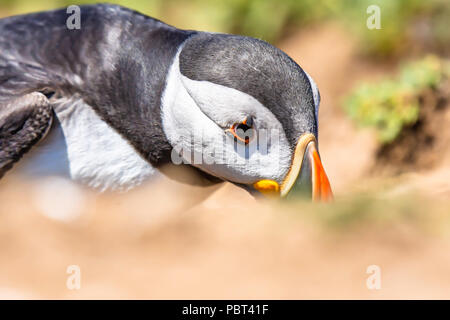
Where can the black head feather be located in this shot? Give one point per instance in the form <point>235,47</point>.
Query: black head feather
<point>258,69</point>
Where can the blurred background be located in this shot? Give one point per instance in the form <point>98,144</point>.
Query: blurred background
<point>384,141</point>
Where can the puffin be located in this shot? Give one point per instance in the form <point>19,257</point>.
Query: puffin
<point>111,103</point>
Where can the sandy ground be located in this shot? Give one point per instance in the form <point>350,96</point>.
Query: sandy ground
<point>168,240</point>
<point>142,246</point>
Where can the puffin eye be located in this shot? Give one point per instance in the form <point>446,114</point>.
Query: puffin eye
<point>243,131</point>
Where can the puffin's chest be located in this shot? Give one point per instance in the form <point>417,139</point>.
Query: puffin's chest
<point>85,148</point>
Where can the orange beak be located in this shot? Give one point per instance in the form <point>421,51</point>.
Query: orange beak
<point>306,175</point>
<point>321,188</point>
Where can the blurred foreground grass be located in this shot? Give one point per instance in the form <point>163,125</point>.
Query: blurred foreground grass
<point>150,244</point>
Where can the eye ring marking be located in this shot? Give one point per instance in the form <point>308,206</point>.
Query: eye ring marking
<point>243,131</point>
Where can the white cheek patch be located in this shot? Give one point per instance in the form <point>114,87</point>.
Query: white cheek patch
<point>181,118</point>
<point>224,105</point>
<point>195,115</point>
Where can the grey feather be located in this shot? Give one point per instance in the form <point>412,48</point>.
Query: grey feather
<point>23,122</point>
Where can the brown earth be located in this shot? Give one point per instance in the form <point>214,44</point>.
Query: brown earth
<point>422,146</point>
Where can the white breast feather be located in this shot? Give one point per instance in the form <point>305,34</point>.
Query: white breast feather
<point>88,150</point>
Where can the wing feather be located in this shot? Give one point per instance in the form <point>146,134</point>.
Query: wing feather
<point>23,122</point>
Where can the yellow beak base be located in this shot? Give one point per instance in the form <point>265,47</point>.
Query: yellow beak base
<point>268,188</point>
<point>313,172</point>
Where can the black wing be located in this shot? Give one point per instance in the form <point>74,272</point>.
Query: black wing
<point>23,122</point>
<point>116,62</point>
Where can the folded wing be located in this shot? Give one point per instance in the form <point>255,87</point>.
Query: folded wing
<point>23,122</point>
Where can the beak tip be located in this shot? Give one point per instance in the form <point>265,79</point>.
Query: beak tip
<point>321,185</point>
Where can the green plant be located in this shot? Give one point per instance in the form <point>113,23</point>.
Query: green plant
<point>391,104</point>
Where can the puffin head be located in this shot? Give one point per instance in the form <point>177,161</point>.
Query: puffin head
<point>241,110</point>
